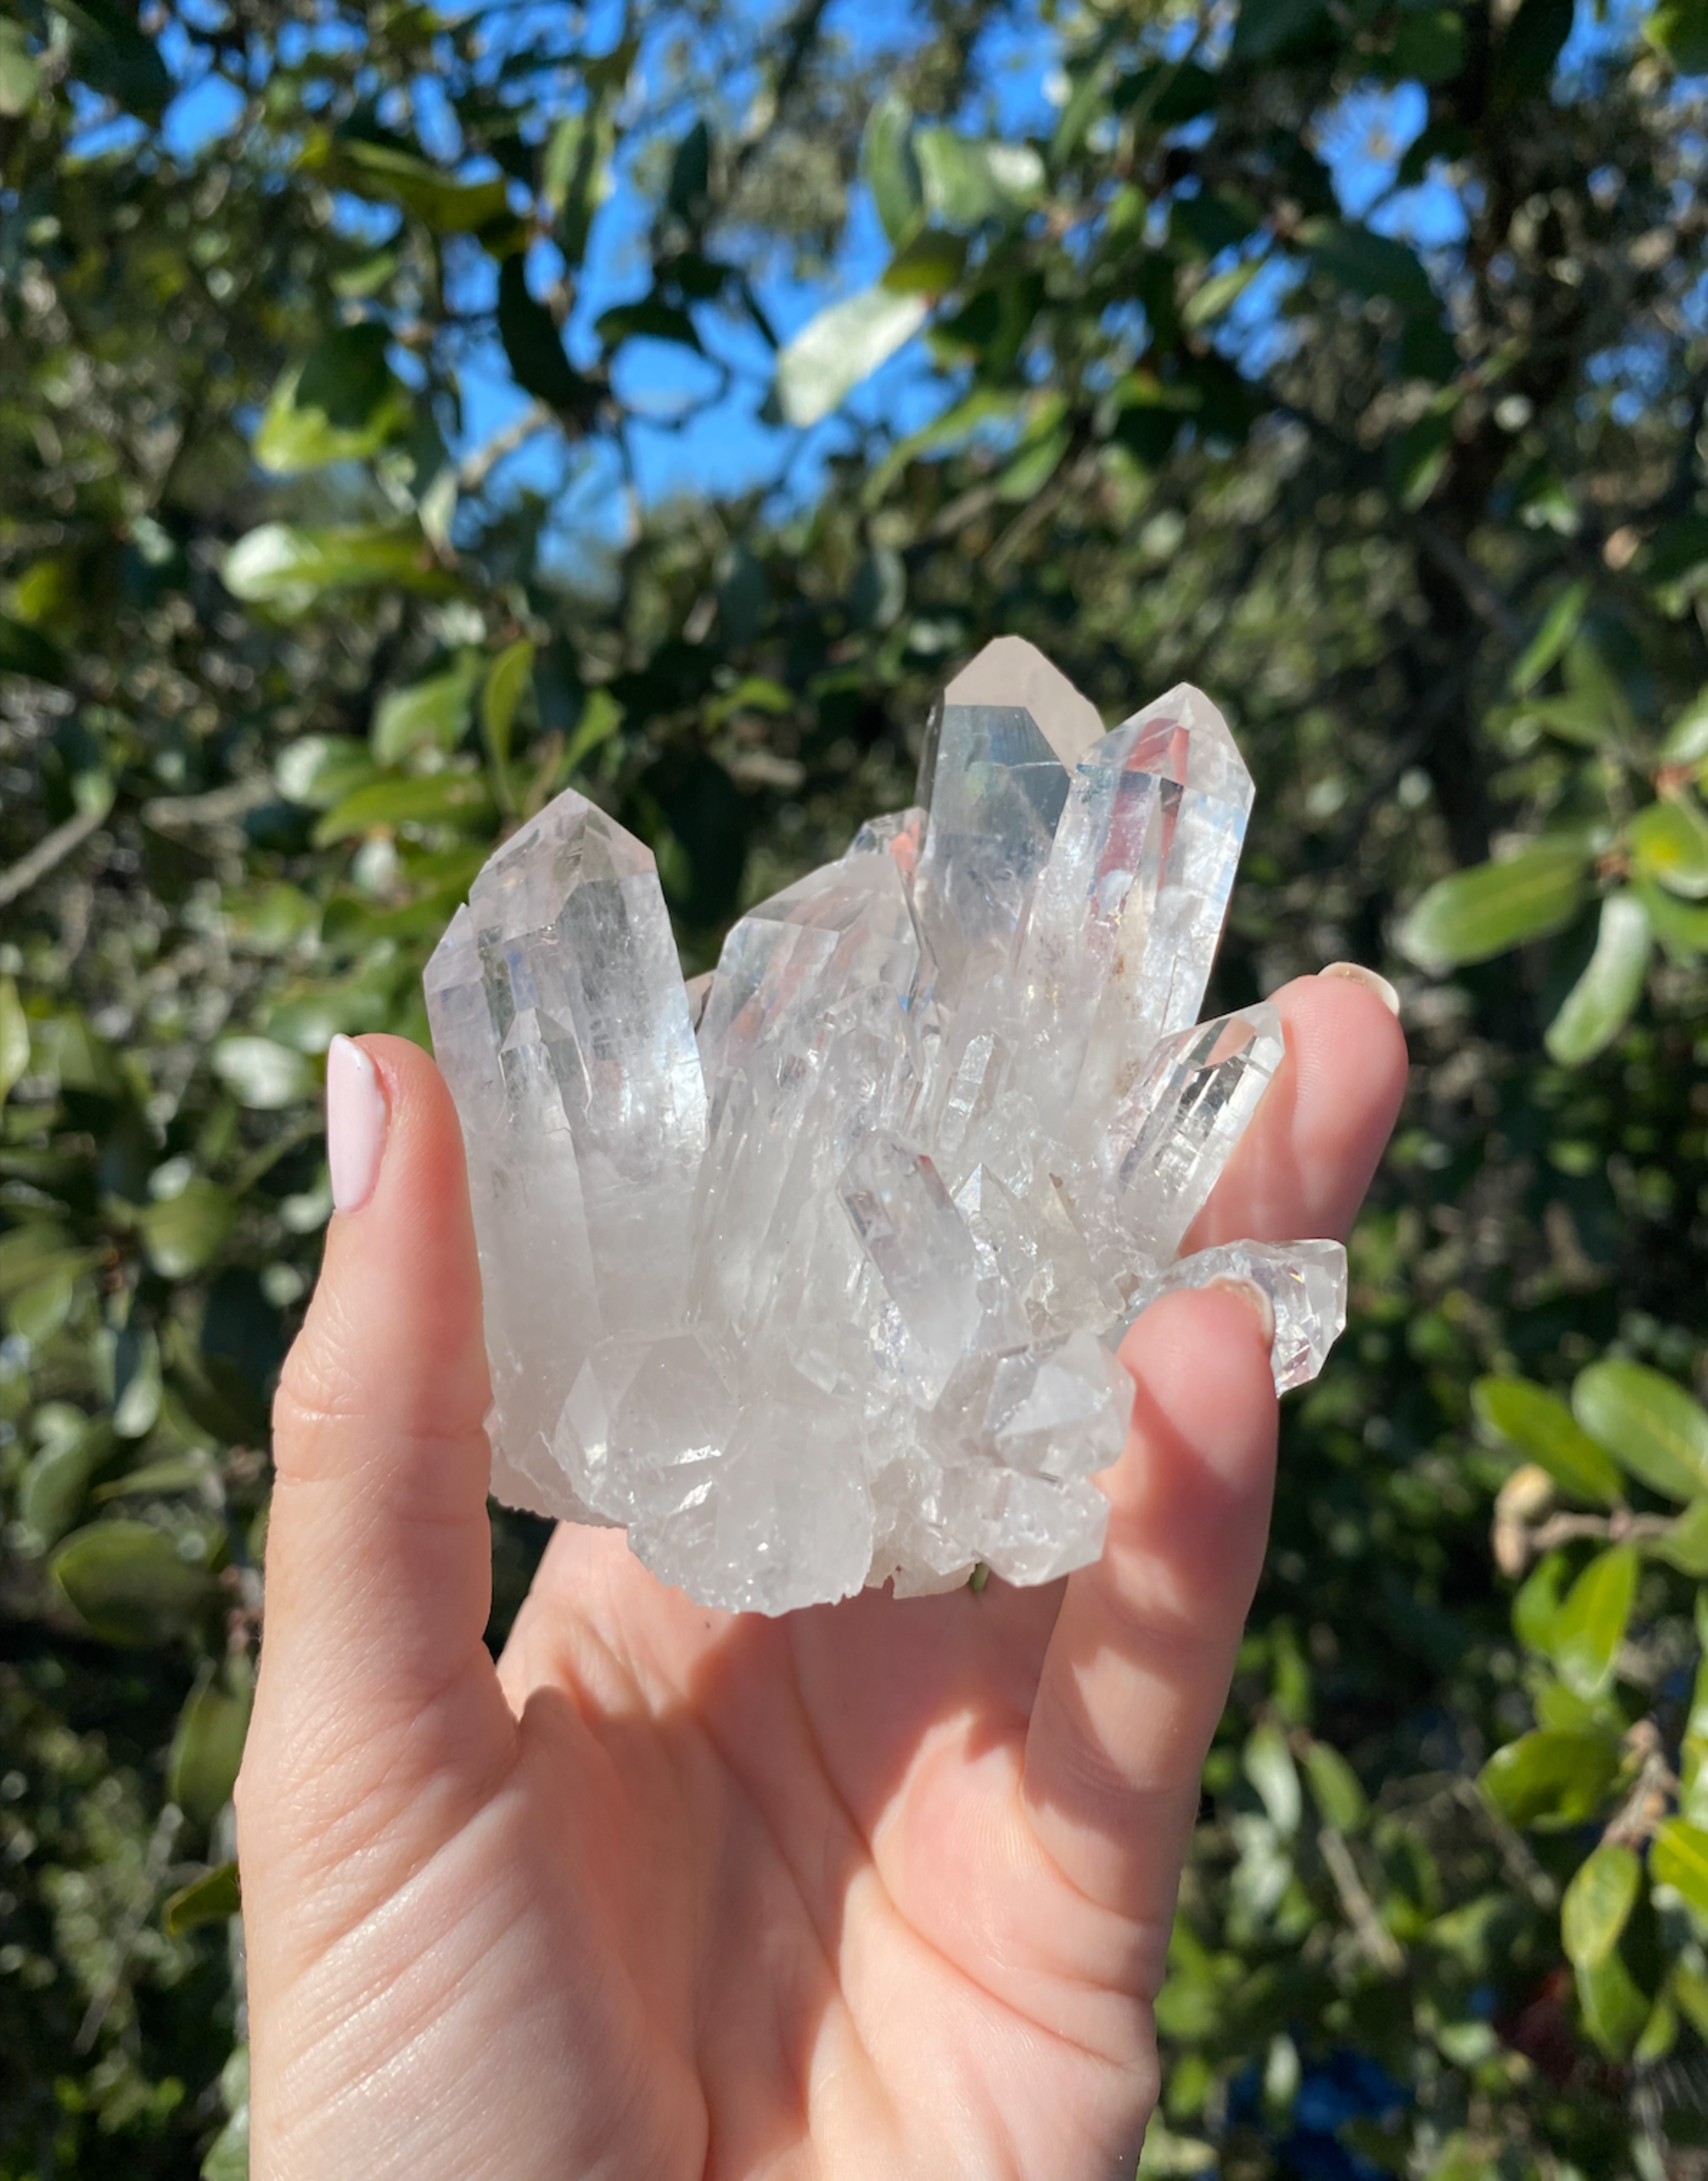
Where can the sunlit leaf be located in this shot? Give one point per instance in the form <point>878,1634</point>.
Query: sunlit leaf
<point>262,1074</point>
<point>284,565</point>
<point>1559,625</point>
<point>1531,1417</point>
<point>1678,1857</point>
<point>213,1898</point>
<point>440,200</point>
<point>1338,1792</point>
<point>1668,842</point>
<point>208,1748</point>
<point>21,79</point>
<point>1268,1764</point>
<point>1482,911</point>
<point>441,799</point>
<point>1550,1778</point>
<point>130,1582</point>
<point>1598,1903</point>
<point>1599,1004</point>
<point>967,181</point>
<point>1593,1617</point>
<point>1651,1427</point>
<point>342,405</point>
<point>185,1233</point>
<point>431,714</point>
<point>841,346</point>
<point>892,170</point>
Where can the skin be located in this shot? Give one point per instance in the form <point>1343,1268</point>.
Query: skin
<point>878,1889</point>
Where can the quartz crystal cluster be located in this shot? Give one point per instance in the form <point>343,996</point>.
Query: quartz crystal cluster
<point>809,1275</point>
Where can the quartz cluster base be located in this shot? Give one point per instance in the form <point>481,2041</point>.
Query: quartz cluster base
<point>809,1275</point>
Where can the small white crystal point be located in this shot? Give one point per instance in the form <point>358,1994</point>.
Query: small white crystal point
<point>1306,1283</point>
<point>1011,673</point>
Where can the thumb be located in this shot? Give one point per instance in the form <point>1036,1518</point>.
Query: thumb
<point>375,1686</point>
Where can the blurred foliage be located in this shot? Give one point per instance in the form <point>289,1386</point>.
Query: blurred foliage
<point>283,648</point>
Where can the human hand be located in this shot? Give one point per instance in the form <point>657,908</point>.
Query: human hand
<point>878,1889</point>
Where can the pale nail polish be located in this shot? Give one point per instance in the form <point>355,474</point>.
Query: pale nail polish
<point>1252,1296</point>
<point>355,1123</point>
<point>1357,974</point>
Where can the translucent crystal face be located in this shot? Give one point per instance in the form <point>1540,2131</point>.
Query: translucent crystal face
<point>808,1275</point>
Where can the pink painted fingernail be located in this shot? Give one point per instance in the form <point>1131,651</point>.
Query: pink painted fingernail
<point>355,1123</point>
<point>1253,1297</point>
<point>1371,979</point>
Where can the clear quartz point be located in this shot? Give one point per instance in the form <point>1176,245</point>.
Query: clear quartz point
<point>808,1274</point>
<point>1306,1283</point>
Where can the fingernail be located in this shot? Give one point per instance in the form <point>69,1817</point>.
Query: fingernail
<point>1357,974</point>
<point>1252,1296</point>
<point>355,1123</point>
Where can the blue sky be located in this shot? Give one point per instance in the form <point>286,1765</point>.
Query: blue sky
<point>729,447</point>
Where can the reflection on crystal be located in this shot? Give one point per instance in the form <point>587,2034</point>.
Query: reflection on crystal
<point>808,1274</point>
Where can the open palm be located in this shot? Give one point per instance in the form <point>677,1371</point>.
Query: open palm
<point>876,1888</point>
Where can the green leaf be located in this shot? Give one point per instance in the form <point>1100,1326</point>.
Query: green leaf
<point>1337,1792</point>
<point>21,79</point>
<point>1681,927</point>
<point>602,716</point>
<point>840,347</point>
<point>430,715</point>
<point>1668,841</point>
<point>1550,1778</point>
<point>442,798</point>
<point>182,1233</point>
<point>1650,1425</point>
<point>228,2158</point>
<point>1268,1764</point>
<point>1678,1857</point>
<point>1599,1004</point>
<point>284,565</point>
<point>214,1898</point>
<point>444,203</point>
<point>534,347</point>
<point>1685,1544</point>
<point>1686,741</point>
<point>1529,1416</point>
<point>1560,624</point>
<point>14,1038</point>
<point>892,170</point>
<point>1265,26</point>
<point>1368,264</point>
<point>319,770</point>
<point>1598,1903</point>
<point>56,1484</point>
<point>263,1075</point>
<point>577,176</point>
<point>1482,911</point>
<point>968,180</point>
<point>129,1584</point>
<point>1615,2007</point>
<point>207,1748</point>
<point>342,405</point>
<point>1215,296</point>
<point>1679,29</point>
<point>1536,1607</point>
<point>652,318</point>
<point>929,265</point>
<point>1528,48</point>
<point>1593,1617</point>
<point>685,193</point>
<point>510,673</point>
